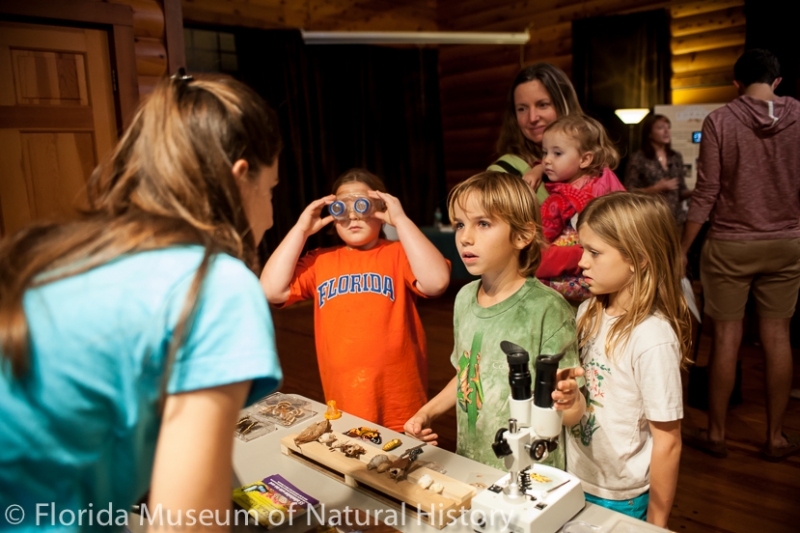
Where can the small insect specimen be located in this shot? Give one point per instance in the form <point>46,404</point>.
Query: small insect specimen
<point>246,424</point>
<point>365,433</point>
<point>392,444</point>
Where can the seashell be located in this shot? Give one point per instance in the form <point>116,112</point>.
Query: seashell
<point>377,461</point>
<point>328,439</point>
<point>425,481</point>
<point>438,488</point>
<point>383,467</point>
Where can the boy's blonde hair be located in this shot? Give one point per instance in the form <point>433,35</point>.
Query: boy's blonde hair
<point>591,137</point>
<point>510,199</point>
<point>642,228</point>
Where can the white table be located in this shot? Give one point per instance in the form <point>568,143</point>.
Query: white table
<point>261,457</point>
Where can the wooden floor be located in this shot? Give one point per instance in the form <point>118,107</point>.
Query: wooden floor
<point>739,494</point>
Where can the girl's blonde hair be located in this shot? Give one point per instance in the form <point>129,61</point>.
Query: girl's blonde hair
<point>508,198</point>
<point>591,137</point>
<point>642,228</point>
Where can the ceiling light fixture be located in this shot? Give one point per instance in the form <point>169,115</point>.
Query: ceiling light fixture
<point>413,37</point>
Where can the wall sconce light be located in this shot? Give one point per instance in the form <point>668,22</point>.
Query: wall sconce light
<point>632,115</point>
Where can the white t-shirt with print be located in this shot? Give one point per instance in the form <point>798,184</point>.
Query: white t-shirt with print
<point>610,449</point>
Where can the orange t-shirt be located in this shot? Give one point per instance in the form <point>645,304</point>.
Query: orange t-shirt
<point>370,343</point>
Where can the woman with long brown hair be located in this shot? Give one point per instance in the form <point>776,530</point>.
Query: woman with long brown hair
<point>657,168</point>
<point>539,95</point>
<point>132,336</point>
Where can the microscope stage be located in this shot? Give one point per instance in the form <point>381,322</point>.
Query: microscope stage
<point>554,497</point>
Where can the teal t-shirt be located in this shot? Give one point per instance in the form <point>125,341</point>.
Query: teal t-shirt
<point>80,428</point>
<point>535,317</point>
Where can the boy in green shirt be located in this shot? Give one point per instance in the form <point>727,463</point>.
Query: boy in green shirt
<point>497,231</point>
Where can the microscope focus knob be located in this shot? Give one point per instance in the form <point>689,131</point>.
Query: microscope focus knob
<point>500,445</point>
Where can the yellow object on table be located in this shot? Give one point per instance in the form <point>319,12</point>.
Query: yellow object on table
<point>332,413</point>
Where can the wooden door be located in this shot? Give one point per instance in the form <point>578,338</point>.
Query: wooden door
<point>57,119</point>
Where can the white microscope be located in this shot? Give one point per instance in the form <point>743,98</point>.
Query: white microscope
<point>532,497</point>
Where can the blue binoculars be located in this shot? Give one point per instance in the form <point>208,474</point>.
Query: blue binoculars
<point>361,205</point>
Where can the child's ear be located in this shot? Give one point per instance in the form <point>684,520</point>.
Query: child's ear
<point>586,159</point>
<point>521,240</point>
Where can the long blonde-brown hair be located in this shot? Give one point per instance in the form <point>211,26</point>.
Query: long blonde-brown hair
<point>168,181</point>
<point>641,227</point>
<point>511,200</point>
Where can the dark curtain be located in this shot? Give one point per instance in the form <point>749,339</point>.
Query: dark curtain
<point>769,26</point>
<point>346,106</point>
<point>621,62</point>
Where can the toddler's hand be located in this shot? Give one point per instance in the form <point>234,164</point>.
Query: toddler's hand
<point>394,211</point>
<point>567,387</point>
<point>311,220</point>
<point>534,176</point>
<point>418,426</point>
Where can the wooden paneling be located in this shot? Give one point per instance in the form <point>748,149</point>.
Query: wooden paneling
<point>705,45</point>
<point>38,117</point>
<point>704,95</point>
<point>320,15</point>
<point>148,17</point>
<point>707,37</point>
<point>151,56</point>
<point>49,78</point>
<point>720,76</point>
<point>700,42</point>
<point>708,60</point>
<point>150,46</point>
<point>55,166</point>
<point>707,22</point>
<point>57,117</point>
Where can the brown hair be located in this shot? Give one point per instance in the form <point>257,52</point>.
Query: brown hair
<point>362,176</point>
<point>591,137</point>
<point>641,227</point>
<point>511,200</point>
<point>167,182</point>
<point>562,95</point>
<point>647,127</point>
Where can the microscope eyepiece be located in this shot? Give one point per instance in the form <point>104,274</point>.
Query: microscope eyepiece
<point>546,369</point>
<point>519,373</point>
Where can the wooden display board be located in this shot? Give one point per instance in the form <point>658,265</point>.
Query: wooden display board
<point>434,509</point>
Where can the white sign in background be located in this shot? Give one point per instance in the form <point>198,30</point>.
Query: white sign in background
<point>686,120</point>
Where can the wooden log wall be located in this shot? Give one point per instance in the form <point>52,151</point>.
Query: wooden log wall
<point>707,37</point>
<point>706,41</point>
<point>150,44</point>
<point>319,15</point>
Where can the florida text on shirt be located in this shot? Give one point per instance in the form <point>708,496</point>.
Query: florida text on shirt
<point>355,284</point>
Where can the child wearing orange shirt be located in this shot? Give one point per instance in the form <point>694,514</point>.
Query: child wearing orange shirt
<point>370,343</point>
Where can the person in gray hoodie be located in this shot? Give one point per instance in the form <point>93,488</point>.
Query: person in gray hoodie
<point>748,185</point>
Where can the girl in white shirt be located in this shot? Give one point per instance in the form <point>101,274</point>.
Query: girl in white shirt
<point>634,334</point>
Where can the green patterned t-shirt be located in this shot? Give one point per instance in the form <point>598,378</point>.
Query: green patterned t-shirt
<point>535,317</point>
